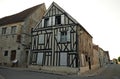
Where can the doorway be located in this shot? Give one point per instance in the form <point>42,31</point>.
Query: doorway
<point>13,55</point>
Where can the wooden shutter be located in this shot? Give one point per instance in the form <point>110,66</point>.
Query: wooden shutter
<point>49,21</point>
<point>63,59</point>
<point>58,36</point>
<point>53,22</point>
<point>68,35</point>
<point>62,19</point>
<point>39,58</point>
<point>42,22</point>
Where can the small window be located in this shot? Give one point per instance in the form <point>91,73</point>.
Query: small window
<point>6,53</point>
<point>63,37</point>
<point>13,29</point>
<point>58,19</point>
<point>46,22</point>
<point>4,30</point>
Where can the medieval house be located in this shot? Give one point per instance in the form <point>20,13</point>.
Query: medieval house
<point>59,40</point>
<point>15,35</point>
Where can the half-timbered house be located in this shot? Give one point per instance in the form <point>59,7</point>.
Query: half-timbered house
<point>57,40</point>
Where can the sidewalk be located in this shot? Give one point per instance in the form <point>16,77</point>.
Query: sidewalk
<point>94,72</point>
<point>88,73</point>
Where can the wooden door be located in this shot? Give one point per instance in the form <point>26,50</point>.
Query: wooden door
<point>13,55</point>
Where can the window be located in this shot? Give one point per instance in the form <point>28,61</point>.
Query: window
<point>58,19</point>
<point>41,39</point>
<point>4,30</point>
<point>18,38</point>
<point>63,37</point>
<point>13,29</point>
<point>46,23</point>
<point>6,53</point>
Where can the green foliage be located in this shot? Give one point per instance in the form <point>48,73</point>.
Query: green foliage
<point>119,58</point>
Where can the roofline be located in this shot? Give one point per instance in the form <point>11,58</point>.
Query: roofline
<point>85,30</point>
<point>21,12</point>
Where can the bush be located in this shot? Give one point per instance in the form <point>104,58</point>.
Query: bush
<point>119,58</point>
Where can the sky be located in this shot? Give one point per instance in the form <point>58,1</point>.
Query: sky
<point>101,18</point>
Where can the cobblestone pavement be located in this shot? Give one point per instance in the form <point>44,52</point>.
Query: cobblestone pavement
<point>110,72</point>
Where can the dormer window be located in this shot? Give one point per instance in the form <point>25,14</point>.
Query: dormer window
<point>58,19</point>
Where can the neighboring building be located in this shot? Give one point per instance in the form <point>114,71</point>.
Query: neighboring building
<point>15,35</point>
<point>96,55</point>
<point>104,57</point>
<point>100,57</point>
<point>107,57</point>
<point>59,40</point>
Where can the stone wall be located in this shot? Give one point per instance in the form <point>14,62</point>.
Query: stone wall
<point>55,69</point>
<point>8,42</point>
<point>85,47</point>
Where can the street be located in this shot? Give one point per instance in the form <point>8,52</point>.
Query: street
<point>111,72</point>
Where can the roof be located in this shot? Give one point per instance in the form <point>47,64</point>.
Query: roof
<point>19,17</point>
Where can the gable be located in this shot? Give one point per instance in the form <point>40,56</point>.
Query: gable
<point>55,16</point>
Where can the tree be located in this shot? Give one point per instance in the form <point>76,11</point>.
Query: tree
<point>119,58</point>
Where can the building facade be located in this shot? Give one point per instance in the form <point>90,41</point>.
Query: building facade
<point>59,40</point>
<point>96,56</point>
<point>15,35</point>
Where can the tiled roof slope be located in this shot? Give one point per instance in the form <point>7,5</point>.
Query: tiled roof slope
<point>19,17</point>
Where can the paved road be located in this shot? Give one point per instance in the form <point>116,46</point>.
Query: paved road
<point>111,72</point>
<point>25,74</point>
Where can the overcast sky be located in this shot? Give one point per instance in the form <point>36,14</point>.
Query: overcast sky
<point>101,18</point>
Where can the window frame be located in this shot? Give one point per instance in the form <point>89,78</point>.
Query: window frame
<point>5,53</point>
<point>46,22</point>
<point>13,29</point>
<point>63,36</point>
<point>4,30</point>
<point>58,19</point>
